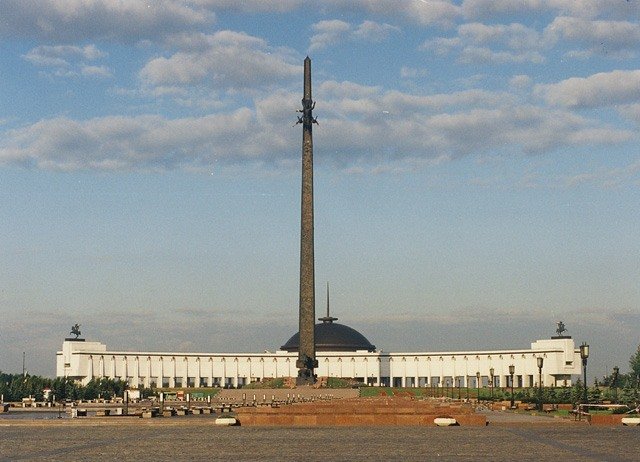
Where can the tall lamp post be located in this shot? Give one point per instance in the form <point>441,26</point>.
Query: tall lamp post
<point>540,363</point>
<point>491,372</point>
<point>584,354</point>
<point>478,385</point>
<point>614,379</point>
<point>512,370</point>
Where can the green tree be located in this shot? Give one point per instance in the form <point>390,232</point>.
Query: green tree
<point>594,395</point>
<point>549,395</point>
<point>577,391</point>
<point>634,364</point>
<point>564,395</point>
<point>628,396</point>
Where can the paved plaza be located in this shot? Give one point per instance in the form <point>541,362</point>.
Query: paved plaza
<point>197,438</point>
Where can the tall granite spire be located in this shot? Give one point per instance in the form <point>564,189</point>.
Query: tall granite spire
<point>307,353</point>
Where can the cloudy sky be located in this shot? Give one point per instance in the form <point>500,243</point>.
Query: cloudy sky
<point>477,173</point>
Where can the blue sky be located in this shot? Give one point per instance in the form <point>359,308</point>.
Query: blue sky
<point>477,173</point>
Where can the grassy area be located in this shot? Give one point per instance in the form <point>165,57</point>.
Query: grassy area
<point>334,382</point>
<point>267,383</point>
<point>203,391</point>
<point>391,391</point>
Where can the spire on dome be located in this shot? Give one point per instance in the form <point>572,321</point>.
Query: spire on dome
<point>328,318</point>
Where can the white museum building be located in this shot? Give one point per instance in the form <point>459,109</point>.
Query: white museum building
<point>341,352</point>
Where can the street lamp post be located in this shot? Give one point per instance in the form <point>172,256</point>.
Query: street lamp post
<point>614,379</point>
<point>540,360</point>
<point>466,379</point>
<point>584,354</point>
<point>491,372</point>
<point>478,385</point>
<point>512,370</point>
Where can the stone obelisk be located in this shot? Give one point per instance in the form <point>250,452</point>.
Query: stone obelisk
<point>307,362</point>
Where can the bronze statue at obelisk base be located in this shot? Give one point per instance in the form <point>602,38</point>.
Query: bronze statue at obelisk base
<point>307,361</point>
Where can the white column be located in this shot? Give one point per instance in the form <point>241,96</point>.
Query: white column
<point>403,379</point>
<point>185,377</point>
<point>136,367</point>
<point>235,378</point>
<point>90,371</point>
<point>224,371</point>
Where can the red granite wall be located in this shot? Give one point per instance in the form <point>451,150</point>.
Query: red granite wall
<point>365,413</point>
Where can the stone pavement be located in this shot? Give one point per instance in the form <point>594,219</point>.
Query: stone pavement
<point>508,418</point>
<point>198,438</point>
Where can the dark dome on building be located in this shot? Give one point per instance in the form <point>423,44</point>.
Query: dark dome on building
<point>331,336</point>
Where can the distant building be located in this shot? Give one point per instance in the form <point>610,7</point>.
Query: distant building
<point>341,351</point>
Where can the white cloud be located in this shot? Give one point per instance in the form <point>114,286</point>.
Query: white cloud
<point>499,44</point>
<point>328,33</point>
<point>595,36</point>
<point>339,90</point>
<point>578,8</point>
<point>360,127</point>
<point>374,32</point>
<point>513,36</point>
<point>95,71</point>
<point>68,60</point>
<point>607,178</point>
<point>334,31</point>
<point>251,6</point>
<point>520,81</point>
<point>372,122</point>
<point>487,55</point>
<point>229,60</point>
<point>442,45</point>
<point>597,90</point>
<point>423,12</point>
<point>631,111</point>
<point>120,21</point>
<point>130,143</point>
<point>47,55</point>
